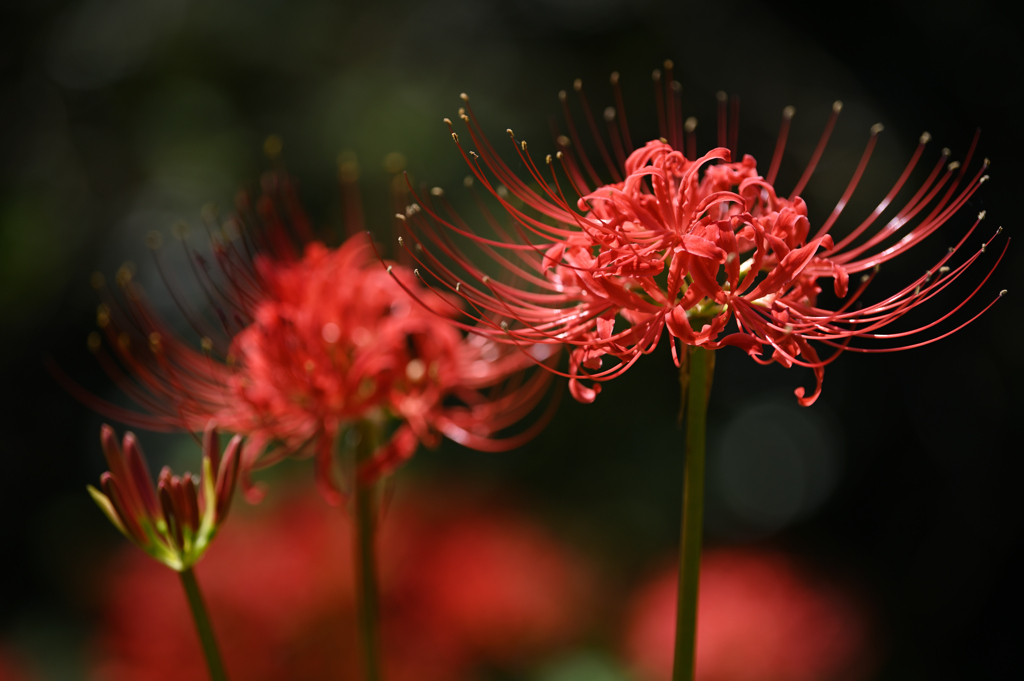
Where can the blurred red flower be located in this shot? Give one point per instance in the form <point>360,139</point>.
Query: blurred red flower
<point>465,586</point>
<point>760,618</point>
<point>312,340</point>
<point>667,239</point>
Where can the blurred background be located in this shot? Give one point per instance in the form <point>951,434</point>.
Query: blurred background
<point>889,511</point>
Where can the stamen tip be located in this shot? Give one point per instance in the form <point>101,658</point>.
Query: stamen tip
<point>953,166</point>
<point>562,96</point>
<point>437,191</point>
<point>97,280</point>
<point>614,78</point>
<point>510,133</point>
<point>463,96</point>
<point>721,96</point>
<point>837,106</point>
<point>417,273</point>
<point>447,120</point>
<point>877,128</point>
<point>981,215</point>
<point>946,151</point>
<point>789,112</point>
<point>154,240</point>
<point>455,136</point>
<point>577,84</point>
<point>668,64</point>
<point>983,179</point>
<point>656,75</point>
<point>1002,293</point>
<point>609,114</point>
<point>485,279</point>
<point>925,137</point>
<point>690,124</point>
<point>467,181</point>
<point>390,268</point>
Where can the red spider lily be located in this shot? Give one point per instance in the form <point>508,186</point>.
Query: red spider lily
<point>466,587</point>
<point>686,243</point>
<point>174,523</point>
<point>761,618</point>
<point>313,339</point>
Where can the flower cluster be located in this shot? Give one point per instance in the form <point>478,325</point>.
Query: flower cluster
<point>687,244</point>
<point>314,340</point>
<point>762,616</point>
<point>174,523</point>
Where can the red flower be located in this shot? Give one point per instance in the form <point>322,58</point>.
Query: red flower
<point>688,244</point>
<point>283,607</point>
<point>174,523</point>
<point>313,341</point>
<point>759,619</point>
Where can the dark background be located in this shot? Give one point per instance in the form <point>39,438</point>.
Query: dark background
<point>118,117</point>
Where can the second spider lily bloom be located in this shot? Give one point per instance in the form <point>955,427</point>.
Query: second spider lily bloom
<point>312,341</point>
<point>703,246</point>
<point>175,521</point>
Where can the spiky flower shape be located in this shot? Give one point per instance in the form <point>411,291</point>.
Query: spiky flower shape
<point>314,340</point>
<point>687,244</point>
<point>175,522</point>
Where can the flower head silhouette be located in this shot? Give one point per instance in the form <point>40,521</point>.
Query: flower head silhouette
<point>311,340</point>
<point>686,243</point>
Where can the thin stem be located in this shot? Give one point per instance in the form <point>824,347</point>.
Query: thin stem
<point>695,384</point>
<point>202,620</point>
<point>367,592</point>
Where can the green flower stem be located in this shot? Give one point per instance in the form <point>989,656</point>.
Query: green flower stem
<point>202,620</point>
<point>367,592</point>
<point>696,385</point>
